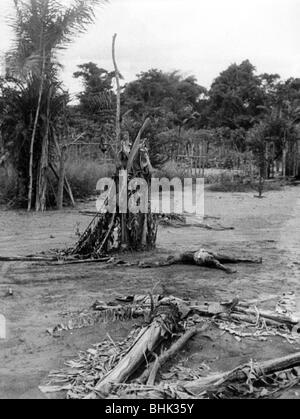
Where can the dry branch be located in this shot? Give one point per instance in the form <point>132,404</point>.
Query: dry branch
<point>166,356</point>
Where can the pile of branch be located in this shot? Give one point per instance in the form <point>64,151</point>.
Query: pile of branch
<point>226,315</point>
<point>131,368</point>
<point>266,379</point>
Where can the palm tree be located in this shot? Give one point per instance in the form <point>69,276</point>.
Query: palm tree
<point>42,28</point>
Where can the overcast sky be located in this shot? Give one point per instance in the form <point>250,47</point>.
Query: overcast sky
<point>200,37</point>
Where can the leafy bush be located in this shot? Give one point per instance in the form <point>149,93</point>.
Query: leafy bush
<point>83,176</point>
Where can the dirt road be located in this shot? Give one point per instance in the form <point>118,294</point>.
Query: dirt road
<point>268,227</point>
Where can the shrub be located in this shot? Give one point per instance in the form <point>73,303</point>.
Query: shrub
<point>83,176</point>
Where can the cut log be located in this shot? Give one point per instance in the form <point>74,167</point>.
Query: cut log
<point>214,383</point>
<point>151,336</point>
<point>239,374</point>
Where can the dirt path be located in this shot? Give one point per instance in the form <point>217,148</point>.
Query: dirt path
<point>269,227</point>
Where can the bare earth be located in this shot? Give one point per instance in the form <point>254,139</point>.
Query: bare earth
<point>268,227</point>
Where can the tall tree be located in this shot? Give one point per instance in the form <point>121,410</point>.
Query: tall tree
<point>235,97</point>
<point>159,94</point>
<point>42,28</point>
<point>97,99</point>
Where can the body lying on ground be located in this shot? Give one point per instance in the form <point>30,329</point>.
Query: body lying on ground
<point>206,259</point>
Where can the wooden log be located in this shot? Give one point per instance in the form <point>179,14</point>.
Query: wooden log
<point>239,374</point>
<point>146,343</point>
<point>166,356</point>
<point>26,259</point>
<point>238,317</point>
<point>268,315</point>
<point>213,383</point>
<point>80,261</point>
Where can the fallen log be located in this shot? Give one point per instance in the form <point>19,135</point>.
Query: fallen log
<point>240,318</point>
<point>163,325</point>
<point>239,374</point>
<point>80,261</point>
<point>215,383</point>
<point>27,259</point>
<point>166,356</point>
<point>268,315</point>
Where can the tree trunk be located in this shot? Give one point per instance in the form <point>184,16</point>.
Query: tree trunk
<point>118,112</point>
<point>284,156</point>
<point>42,179</point>
<point>61,180</point>
<point>30,187</point>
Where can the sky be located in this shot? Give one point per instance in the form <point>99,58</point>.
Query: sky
<point>199,37</point>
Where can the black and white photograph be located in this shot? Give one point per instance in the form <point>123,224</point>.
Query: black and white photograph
<point>149,202</point>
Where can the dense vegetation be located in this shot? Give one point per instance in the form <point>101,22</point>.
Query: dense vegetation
<point>241,112</point>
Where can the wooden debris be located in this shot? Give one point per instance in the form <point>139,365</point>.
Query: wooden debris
<point>130,368</point>
<point>241,373</point>
<point>163,325</point>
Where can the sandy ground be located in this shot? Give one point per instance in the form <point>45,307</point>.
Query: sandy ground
<point>268,227</point>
